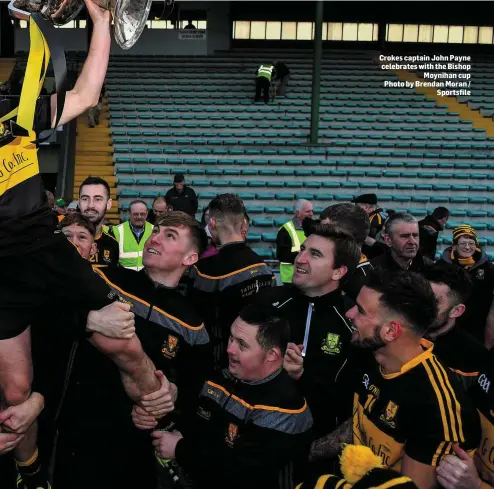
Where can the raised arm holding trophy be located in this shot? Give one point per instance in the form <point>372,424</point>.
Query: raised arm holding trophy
<point>37,261</point>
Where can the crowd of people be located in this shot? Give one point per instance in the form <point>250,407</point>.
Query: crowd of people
<point>160,352</point>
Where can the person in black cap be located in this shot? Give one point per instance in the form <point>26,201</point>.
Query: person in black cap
<point>377,216</point>
<point>182,197</point>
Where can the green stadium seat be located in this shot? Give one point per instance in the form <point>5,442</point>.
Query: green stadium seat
<point>324,196</point>
<point>206,195</point>
<point>420,198</point>
<point>220,183</point>
<point>417,212</point>
<point>280,222</point>
<point>284,196</point>
<point>124,169</point>
<point>274,210</point>
<point>247,195</point>
<point>253,237</point>
<point>303,173</point>
<point>267,173</point>
<point>238,183</point>
<point>265,196</point>
<point>458,200</point>
<point>478,200</point>
<point>264,252</point>
<point>254,209</point>
<point>262,222</point>
<point>249,171</point>
<point>125,181</point>
<point>326,184</point>
<point>294,184</point>
<point>477,213</point>
<point>144,181</point>
<point>312,184</point>
<point>200,183</point>
<point>275,183</point>
<point>148,194</point>
<point>269,237</point>
<point>304,195</point>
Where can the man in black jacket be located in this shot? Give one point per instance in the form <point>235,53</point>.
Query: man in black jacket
<point>182,197</point>
<point>251,421</point>
<point>315,308</point>
<point>459,350</point>
<point>174,338</point>
<point>224,283</point>
<point>429,229</point>
<point>402,239</point>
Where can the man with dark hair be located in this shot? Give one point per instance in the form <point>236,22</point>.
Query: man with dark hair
<point>182,197</point>
<point>429,229</point>
<point>224,283</point>
<point>459,350</point>
<point>173,336</point>
<point>355,220</point>
<point>402,239</point>
<point>409,408</point>
<point>94,202</point>
<point>251,421</point>
<point>132,235</point>
<point>315,307</point>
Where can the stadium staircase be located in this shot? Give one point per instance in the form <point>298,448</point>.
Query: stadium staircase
<point>196,116</point>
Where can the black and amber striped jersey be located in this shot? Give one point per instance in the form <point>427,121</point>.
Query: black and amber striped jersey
<point>420,412</point>
<point>224,283</point>
<point>462,353</point>
<point>245,433</point>
<point>107,251</point>
<point>483,398</point>
<point>171,333</point>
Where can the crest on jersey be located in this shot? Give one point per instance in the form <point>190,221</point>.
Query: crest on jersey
<point>480,274</point>
<point>389,414</point>
<point>232,435</point>
<point>331,344</point>
<point>106,255</point>
<point>169,348</point>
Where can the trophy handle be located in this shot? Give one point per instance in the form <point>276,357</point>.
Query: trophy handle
<point>17,13</point>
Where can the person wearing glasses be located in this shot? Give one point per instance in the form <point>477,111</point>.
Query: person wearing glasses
<point>466,252</point>
<point>132,234</point>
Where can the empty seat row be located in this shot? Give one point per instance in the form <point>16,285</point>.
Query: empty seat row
<point>366,185</point>
<point>300,152</point>
<point>318,196</point>
<point>448,170</point>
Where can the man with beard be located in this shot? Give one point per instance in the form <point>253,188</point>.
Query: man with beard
<point>408,407</point>
<point>460,351</point>
<point>94,202</point>
<point>402,239</point>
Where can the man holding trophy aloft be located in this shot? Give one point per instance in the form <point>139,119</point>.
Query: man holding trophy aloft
<point>41,271</point>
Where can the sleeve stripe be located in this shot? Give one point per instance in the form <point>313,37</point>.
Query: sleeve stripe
<point>457,407</point>
<point>439,399</point>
